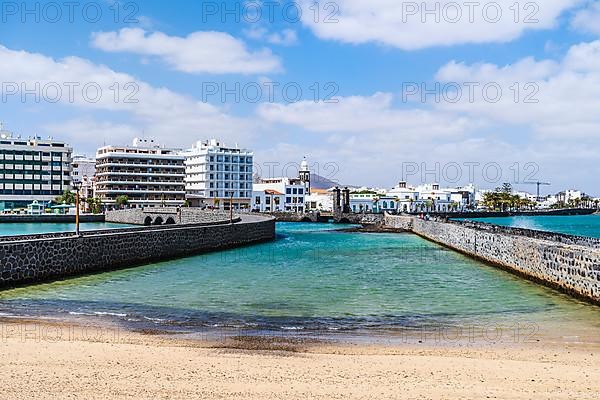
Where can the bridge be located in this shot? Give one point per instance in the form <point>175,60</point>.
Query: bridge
<point>325,217</point>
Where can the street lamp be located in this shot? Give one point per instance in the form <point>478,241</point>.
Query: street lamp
<point>77,186</point>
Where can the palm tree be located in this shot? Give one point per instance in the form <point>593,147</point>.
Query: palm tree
<point>122,201</point>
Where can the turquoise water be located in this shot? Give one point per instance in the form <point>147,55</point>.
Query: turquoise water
<point>310,278</point>
<point>580,225</point>
<point>33,228</point>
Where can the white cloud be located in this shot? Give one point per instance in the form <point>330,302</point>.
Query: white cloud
<point>287,37</point>
<point>372,114</point>
<point>588,19</point>
<point>171,117</point>
<point>199,52</point>
<point>567,95</point>
<point>399,24</point>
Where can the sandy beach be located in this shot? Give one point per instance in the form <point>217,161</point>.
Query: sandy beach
<point>42,360</point>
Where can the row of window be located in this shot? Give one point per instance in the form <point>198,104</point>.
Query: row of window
<point>31,153</point>
<point>11,192</point>
<point>294,191</point>
<point>226,193</point>
<point>234,159</point>
<point>220,167</point>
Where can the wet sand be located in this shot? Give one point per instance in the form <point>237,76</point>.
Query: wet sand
<point>44,359</point>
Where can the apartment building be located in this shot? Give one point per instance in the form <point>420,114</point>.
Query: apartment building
<point>147,173</point>
<point>217,174</point>
<point>84,175</point>
<point>32,169</point>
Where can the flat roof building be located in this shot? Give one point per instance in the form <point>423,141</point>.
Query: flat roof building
<point>217,174</point>
<point>32,169</point>
<point>148,174</point>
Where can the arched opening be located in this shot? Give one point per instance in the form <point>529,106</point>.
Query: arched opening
<point>344,221</point>
<point>158,221</point>
<point>148,221</point>
<point>306,219</point>
<point>170,221</point>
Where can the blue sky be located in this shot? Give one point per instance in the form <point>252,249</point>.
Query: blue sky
<point>371,56</point>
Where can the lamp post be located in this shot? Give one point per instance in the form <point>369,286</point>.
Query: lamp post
<point>77,186</point>
<point>231,207</point>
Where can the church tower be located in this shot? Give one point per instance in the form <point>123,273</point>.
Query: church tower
<point>304,175</point>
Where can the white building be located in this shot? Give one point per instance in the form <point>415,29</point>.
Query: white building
<point>268,200</point>
<point>569,195</point>
<point>32,169</point>
<point>319,200</point>
<point>217,174</point>
<point>148,174</point>
<point>294,191</point>
<point>84,175</point>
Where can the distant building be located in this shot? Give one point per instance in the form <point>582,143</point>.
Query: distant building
<point>569,195</point>
<point>319,200</point>
<point>32,169</point>
<point>84,175</point>
<point>83,167</point>
<point>267,200</point>
<point>217,174</point>
<point>295,191</point>
<point>148,174</point>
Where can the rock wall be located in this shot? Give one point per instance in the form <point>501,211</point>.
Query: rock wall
<point>32,259</point>
<point>568,263</point>
<point>167,216</point>
<point>49,218</point>
<point>398,222</point>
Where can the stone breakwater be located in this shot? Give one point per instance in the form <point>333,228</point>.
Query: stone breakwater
<point>34,259</point>
<point>568,263</point>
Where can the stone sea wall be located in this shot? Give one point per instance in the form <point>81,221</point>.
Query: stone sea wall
<point>32,259</point>
<point>568,263</point>
<point>48,218</point>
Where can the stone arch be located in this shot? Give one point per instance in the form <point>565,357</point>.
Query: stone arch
<point>170,221</point>
<point>344,221</point>
<point>158,221</point>
<point>148,221</point>
<point>306,219</point>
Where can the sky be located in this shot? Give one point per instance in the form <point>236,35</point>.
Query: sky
<point>371,92</point>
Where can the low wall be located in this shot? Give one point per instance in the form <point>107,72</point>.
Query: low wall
<point>398,222</point>
<point>49,218</point>
<point>568,263</point>
<point>167,215</point>
<point>32,259</point>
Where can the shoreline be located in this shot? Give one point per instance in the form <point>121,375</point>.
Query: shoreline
<point>150,365</point>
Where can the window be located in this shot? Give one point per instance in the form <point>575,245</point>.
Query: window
<point>288,200</point>
<point>288,191</point>
<point>257,201</point>
<point>301,191</point>
<point>295,191</point>
<point>267,200</point>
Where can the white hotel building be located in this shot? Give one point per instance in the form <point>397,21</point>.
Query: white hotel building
<point>217,174</point>
<point>32,169</point>
<point>148,174</point>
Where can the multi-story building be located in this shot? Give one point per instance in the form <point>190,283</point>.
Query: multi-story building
<point>294,191</point>
<point>148,174</point>
<point>217,174</point>
<point>84,175</point>
<point>32,169</point>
